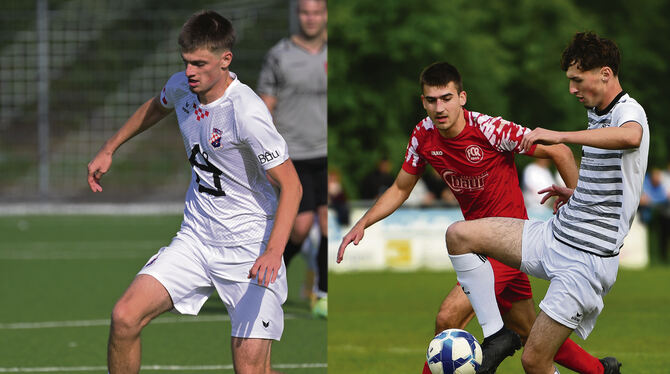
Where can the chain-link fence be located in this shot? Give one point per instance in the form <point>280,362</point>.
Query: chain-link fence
<point>72,72</point>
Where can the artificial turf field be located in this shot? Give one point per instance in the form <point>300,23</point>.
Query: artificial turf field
<point>61,275</point>
<point>382,322</point>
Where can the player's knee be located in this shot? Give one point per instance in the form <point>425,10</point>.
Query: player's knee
<point>527,361</point>
<point>299,234</point>
<point>457,238</point>
<point>124,321</point>
<point>532,361</point>
<point>445,320</point>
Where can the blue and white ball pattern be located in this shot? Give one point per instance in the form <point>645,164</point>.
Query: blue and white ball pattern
<point>454,351</point>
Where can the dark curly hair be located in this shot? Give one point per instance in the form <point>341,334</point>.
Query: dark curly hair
<point>207,29</point>
<point>589,51</point>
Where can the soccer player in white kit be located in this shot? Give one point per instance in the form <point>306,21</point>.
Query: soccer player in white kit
<point>576,249</point>
<point>235,226</point>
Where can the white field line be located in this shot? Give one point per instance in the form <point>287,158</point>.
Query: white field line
<point>22,209</point>
<point>358,349</point>
<point>55,369</point>
<point>81,250</point>
<point>105,322</point>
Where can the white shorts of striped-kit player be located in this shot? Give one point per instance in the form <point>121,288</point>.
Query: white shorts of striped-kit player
<point>579,279</point>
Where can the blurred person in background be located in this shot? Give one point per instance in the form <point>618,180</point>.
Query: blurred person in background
<point>441,194</point>
<point>655,212</point>
<point>337,199</point>
<point>377,181</point>
<point>293,85</point>
<point>665,176</point>
<point>536,176</point>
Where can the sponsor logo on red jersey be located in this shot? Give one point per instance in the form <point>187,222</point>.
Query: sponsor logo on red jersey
<point>464,183</point>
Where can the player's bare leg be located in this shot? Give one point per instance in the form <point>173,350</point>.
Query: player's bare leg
<point>468,242</point>
<point>303,223</point>
<point>545,338</point>
<point>252,356</point>
<point>321,303</point>
<point>455,311</point>
<point>520,318</point>
<point>301,226</point>
<point>144,300</point>
<point>497,237</point>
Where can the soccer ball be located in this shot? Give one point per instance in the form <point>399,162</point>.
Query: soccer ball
<point>454,351</point>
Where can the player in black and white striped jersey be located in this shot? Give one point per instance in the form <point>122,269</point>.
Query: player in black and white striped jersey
<point>576,249</point>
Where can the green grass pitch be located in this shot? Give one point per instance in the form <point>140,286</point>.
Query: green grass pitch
<point>382,322</point>
<point>61,275</point>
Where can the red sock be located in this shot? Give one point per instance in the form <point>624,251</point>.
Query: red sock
<point>574,357</point>
<point>426,369</point>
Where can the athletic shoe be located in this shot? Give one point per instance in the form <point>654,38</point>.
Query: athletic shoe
<point>320,308</point>
<point>496,347</point>
<point>611,365</point>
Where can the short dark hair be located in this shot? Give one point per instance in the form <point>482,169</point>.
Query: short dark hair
<point>207,29</point>
<point>589,51</point>
<point>439,74</point>
<point>320,1</point>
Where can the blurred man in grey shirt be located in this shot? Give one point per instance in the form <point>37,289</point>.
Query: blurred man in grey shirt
<point>293,84</point>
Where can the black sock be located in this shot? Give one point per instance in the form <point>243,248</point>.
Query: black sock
<point>290,251</point>
<point>322,263</point>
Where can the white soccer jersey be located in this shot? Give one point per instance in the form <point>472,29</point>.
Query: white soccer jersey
<point>230,143</point>
<point>601,210</point>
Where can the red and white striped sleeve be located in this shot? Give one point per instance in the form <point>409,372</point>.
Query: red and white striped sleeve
<point>414,163</point>
<point>503,135</point>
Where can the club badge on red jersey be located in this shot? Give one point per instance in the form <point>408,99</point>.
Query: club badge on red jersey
<point>474,153</point>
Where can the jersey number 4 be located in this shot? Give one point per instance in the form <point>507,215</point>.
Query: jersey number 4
<point>208,167</point>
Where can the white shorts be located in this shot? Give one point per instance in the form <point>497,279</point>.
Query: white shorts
<point>191,271</point>
<point>579,280</point>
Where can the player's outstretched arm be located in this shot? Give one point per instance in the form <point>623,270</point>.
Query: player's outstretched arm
<point>290,192</point>
<point>626,136</point>
<point>387,203</point>
<point>563,159</point>
<point>146,116</point>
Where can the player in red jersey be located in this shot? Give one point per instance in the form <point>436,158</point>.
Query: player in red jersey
<point>474,154</point>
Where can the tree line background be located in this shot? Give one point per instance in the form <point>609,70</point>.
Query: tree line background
<point>508,53</point>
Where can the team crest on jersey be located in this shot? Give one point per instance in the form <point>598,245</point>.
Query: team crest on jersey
<point>474,153</point>
<point>215,139</point>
